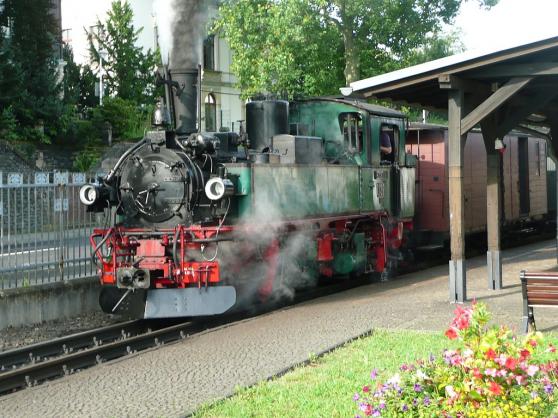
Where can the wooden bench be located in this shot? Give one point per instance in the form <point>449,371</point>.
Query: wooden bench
<point>540,289</point>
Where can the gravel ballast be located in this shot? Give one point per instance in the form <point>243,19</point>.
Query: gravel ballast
<point>15,337</point>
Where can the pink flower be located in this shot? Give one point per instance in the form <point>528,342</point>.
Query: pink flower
<point>520,379</point>
<point>462,318</point>
<point>450,391</point>
<point>551,349</point>
<point>366,389</point>
<point>490,372</point>
<point>501,359</point>
<point>462,322</point>
<point>532,370</point>
<point>477,373</point>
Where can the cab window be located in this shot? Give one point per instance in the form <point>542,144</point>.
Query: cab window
<point>389,143</point>
<point>352,128</point>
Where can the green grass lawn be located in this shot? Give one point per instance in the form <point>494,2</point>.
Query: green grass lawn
<point>326,386</point>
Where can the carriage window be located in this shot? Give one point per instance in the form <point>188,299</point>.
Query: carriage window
<point>389,143</point>
<point>353,132</point>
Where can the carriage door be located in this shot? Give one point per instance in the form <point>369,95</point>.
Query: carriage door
<point>523,169</point>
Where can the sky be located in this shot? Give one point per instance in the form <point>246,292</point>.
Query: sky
<point>511,22</point>
<point>80,14</point>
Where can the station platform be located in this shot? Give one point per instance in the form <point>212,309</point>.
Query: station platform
<point>174,380</point>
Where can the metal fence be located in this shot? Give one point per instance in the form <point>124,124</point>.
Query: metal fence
<point>44,229</point>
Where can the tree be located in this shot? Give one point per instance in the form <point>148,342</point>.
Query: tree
<point>280,47</point>
<point>87,81</point>
<point>129,71</point>
<point>365,37</point>
<point>72,76</point>
<point>29,49</point>
<point>11,75</point>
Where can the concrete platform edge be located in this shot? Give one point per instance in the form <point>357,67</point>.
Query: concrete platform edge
<point>35,304</point>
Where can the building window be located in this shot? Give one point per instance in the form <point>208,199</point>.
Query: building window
<point>210,113</point>
<point>209,53</point>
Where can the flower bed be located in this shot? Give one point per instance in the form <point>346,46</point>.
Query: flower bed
<point>494,373</point>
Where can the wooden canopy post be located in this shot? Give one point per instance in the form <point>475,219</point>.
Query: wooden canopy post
<point>493,219</point>
<point>456,145</point>
<point>493,204</point>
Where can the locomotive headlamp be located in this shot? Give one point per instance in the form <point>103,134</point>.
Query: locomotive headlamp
<point>88,194</point>
<point>218,188</point>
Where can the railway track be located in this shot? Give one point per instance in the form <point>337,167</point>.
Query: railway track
<point>35,364</point>
<point>32,365</point>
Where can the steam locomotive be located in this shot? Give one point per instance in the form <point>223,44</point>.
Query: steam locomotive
<point>204,221</point>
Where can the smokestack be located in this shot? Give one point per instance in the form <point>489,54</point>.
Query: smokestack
<point>185,99</point>
<point>183,27</point>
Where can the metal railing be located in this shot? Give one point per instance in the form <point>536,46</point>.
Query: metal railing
<point>44,228</point>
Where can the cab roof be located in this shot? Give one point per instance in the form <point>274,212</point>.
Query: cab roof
<point>372,108</point>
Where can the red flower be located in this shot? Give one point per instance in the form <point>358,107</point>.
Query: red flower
<point>511,363</point>
<point>490,354</point>
<point>366,389</point>
<point>495,388</point>
<point>451,333</point>
<point>524,354</point>
<point>476,373</point>
<point>532,343</point>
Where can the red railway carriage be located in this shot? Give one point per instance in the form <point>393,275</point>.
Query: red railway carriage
<point>524,180</point>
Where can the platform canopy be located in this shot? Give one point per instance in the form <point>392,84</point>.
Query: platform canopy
<point>514,88</point>
<point>521,82</point>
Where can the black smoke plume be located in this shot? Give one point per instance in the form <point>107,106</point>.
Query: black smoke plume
<point>183,26</point>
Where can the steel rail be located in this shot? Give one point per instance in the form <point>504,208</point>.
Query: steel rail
<point>33,373</point>
<point>41,351</point>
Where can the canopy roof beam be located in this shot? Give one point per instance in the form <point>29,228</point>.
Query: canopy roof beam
<point>526,106</point>
<point>496,100</point>
<point>517,70</point>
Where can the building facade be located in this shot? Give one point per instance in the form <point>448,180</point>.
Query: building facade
<point>222,107</point>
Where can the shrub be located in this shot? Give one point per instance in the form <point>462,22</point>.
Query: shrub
<point>128,120</point>
<point>82,133</point>
<point>85,160</point>
<point>493,374</point>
